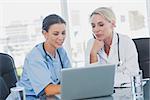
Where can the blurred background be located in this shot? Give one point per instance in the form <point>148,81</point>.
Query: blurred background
<point>21,22</point>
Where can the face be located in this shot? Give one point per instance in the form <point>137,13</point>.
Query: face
<point>56,35</point>
<point>101,27</point>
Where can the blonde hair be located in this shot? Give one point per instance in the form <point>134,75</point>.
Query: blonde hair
<point>105,12</point>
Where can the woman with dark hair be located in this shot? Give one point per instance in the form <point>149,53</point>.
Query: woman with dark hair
<point>42,66</point>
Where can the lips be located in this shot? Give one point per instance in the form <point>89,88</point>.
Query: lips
<point>99,35</point>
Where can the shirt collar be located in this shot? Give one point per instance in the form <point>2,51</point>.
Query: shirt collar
<point>40,48</point>
<point>115,39</point>
<point>52,57</point>
<point>114,42</point>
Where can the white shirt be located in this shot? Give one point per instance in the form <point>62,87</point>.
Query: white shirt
<point>128,57</point>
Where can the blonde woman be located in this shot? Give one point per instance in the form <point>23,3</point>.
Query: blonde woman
<point>110,47</point>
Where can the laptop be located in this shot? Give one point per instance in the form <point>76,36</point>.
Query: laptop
<point>87,82</point>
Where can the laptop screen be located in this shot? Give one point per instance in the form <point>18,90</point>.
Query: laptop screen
<point>87,82</point>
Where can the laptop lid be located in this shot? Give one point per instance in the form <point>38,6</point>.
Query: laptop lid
<point>87,82</point>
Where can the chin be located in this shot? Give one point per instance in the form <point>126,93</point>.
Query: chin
<point>58,46</point>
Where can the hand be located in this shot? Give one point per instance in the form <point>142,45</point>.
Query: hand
<point>97,45</point>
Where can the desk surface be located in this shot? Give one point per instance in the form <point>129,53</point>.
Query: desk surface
<point>122,94</point>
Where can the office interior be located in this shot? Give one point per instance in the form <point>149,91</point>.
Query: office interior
<point>21,22</point>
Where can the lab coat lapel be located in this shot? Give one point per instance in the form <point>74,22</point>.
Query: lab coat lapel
<point>113,55</point>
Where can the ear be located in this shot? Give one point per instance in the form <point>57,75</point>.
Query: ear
<point>45,34</point>
<point>113,22</point>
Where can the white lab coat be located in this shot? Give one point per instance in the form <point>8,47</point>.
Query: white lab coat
<point>128,57</point>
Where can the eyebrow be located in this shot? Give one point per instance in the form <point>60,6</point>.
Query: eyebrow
<point>98,23</point>
<point>58,31</point>
<point>55,31</point>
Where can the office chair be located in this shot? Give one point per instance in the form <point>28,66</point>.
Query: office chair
<point>142,45</point>
<point>8,76</point>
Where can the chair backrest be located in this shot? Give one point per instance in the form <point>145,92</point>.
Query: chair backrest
<point>142,45</point>
<point>8,76</point>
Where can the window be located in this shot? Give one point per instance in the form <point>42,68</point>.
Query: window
<point>131,20</point>
<point>21,25</point>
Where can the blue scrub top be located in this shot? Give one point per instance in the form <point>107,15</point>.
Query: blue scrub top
<point>39,70</point>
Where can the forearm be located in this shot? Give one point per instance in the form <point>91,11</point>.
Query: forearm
<point>93,58</point>
<point>52,89</point>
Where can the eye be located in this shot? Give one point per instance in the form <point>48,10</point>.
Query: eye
<point>56,33</point>
<point>63,33</point>
<point>93,26</point>
<point>101,24</point>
